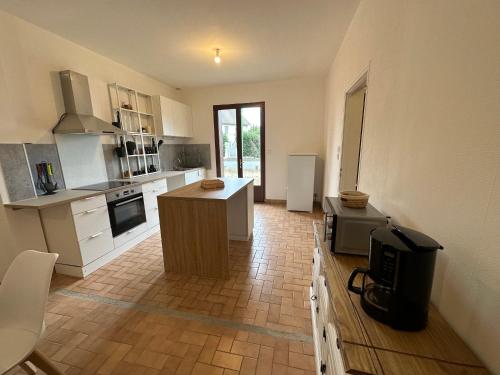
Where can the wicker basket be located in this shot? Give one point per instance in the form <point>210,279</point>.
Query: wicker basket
<point>212,184</point>
<point>354,199</point>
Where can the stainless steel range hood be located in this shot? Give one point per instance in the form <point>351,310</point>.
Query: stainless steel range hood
<point>79,117</point>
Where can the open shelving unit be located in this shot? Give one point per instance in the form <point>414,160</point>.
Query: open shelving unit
<point>134,111</point>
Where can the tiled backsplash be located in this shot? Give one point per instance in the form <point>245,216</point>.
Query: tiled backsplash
<point>112,162</point>
<point>15,172</point>
<point>38,153</point>
<point>185,155</point>
<point>19,183</point>
<point>16,168</point>
<point>192,155</point>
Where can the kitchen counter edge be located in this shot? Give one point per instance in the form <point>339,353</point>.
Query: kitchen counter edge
<point>70,195</point>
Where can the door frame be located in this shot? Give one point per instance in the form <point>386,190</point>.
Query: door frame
<point>361,81</point>
<point>259,191</point>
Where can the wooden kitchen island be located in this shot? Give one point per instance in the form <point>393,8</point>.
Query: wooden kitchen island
<point>196,226</point>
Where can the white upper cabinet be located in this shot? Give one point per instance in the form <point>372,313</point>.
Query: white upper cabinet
<point>172,118</point>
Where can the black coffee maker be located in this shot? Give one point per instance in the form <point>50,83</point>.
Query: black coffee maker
<point>397,285</point>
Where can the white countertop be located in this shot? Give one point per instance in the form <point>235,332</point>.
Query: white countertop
<point>66,196</point>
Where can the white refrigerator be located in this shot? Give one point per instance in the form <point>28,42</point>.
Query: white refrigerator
<point>302,172</point>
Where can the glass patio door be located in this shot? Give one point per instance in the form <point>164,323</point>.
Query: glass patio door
<point>239,143</point>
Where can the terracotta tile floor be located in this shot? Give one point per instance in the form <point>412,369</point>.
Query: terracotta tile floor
<point>129,317</point>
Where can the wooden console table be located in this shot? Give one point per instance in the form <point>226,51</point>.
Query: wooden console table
<point>347,340</point>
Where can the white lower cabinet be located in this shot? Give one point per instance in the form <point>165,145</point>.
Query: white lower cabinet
<point>129,235</point>
<point>327,353</point>
<point>334,357</point>
<point>194,176</point>
<point>151,191</point>
<point>80,232</point>
<point>152,217</point>
<point>88,203</point>
<point>90,222</point>
<point>96,245</point>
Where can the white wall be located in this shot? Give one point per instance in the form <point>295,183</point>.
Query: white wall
<point>431,148</point>
<point>31,102</point>
<point>30,93</point>
<point>294,121</point>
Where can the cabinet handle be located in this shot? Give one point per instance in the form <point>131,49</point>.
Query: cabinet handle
<point>338,343</point>
<point>313,260</point>
<point>90,211</point>
<point>131,230</point>
<point>314,297</point>
<point>130,200</point>
<point>95,235</point>
<point>89,198</point>
<point>322,367</point>
<point>324,333</point>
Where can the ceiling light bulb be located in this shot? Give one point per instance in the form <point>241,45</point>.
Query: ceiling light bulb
<point>217,58</point>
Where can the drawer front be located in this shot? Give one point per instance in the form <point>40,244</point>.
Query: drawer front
<point>152,217</point>
<point>316,263</point>
<point>150,186</point>
<point>96,245</point>
<point>334,354</point>
<point>150,200</point>
<point>91,221</point>
<point>160,186</point>
<point>89,203</point>
<point>191,177</point>
<point>130,235</point>
<point>324,300</point>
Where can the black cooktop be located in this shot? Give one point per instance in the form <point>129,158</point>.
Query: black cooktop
<point>104,185</point>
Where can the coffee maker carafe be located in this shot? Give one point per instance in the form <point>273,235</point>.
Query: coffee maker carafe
<point>396,287</point>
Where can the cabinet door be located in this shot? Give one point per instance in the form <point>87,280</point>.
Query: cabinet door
<point>191,177</point>
<point>168,116</point>
<point>188,121</point>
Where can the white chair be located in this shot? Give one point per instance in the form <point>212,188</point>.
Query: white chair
<point>23,296</point>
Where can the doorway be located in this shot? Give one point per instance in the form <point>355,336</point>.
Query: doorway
<point>354,117</point>
<point>240,143</point>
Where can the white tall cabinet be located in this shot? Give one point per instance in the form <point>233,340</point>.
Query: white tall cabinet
<point>302,173</point>
<point>172,118</point>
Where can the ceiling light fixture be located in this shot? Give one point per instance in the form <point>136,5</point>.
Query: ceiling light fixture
<point>217,58</point>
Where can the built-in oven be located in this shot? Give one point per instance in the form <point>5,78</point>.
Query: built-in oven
<point>126,209</point>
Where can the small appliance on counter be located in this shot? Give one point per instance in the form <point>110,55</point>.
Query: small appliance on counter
<point>396,287</point>
<point>347,230</point>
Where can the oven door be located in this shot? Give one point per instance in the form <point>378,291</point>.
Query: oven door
<point>126,213</point>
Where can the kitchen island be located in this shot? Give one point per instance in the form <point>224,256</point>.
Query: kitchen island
<point>196,226</point>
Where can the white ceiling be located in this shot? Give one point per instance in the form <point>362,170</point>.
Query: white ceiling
<point>174,40</point>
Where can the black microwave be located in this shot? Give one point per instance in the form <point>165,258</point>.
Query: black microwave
<point>347,230</point>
